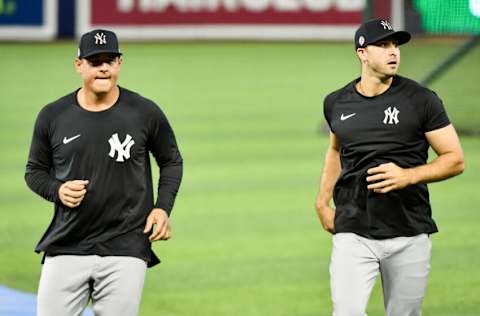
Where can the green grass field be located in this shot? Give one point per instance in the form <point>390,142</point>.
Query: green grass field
<point>247,118</point>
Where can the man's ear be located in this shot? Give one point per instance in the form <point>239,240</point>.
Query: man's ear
<point>362,54</point>
<point>78,65</point>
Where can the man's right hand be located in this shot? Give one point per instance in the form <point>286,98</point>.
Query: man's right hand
<point>71,193</point>
<point>326,214</point>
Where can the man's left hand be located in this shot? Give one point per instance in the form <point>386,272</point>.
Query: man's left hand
<point>162,230</point>
<point>388,177</point>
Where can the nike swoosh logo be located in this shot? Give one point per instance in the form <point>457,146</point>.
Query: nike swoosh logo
<point>345,117</point>
<point>68,140</point>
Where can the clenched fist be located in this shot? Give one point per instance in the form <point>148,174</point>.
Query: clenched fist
<point>71,193</point>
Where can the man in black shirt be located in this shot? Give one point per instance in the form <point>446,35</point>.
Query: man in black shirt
<point>376,170</point>
<point>90,156</point>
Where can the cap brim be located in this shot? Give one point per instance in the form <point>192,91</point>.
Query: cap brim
<point>401,37</point>
<point>95,52</point>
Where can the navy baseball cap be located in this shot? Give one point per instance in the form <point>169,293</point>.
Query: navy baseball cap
<point>97,42</point>
<point>377,29</point>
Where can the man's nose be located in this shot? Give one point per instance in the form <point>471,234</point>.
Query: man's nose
<point>392,49</point>
<point>103,66</point>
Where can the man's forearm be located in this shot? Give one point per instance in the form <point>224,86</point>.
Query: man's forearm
<point>168,185</point>
<point>331,172</point>
<point>40,182</point>
<point>443,167</point>
<point>449,162</point>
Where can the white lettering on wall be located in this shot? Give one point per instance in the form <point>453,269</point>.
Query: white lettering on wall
<point>287,5</point>
<point>350,5</point>
<point>318,5</point>
<point>126,6</point>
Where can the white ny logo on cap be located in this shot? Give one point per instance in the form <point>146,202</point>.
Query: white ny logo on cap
<point>100,39</point>
<point>386,25</point>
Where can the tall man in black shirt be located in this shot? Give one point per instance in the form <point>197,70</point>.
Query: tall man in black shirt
<point>90,156</point>
<point>376,170</point>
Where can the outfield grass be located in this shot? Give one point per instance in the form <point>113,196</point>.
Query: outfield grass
<point>247,118</point>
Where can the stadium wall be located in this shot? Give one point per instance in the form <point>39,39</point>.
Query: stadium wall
<point>230,19</point>
<point>223,19</point>
<point>28,20</point>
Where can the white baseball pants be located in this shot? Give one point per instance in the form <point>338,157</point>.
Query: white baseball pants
<point>403,263</point>
<point>68,282</point>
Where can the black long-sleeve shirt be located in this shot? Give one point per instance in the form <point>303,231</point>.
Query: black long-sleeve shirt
<point>110,149</point>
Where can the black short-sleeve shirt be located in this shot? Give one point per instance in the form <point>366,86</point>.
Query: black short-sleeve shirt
<point>386,128</point>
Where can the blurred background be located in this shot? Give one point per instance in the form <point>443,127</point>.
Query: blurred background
<point>242,83</point>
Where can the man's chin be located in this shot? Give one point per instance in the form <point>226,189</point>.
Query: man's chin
<point>392,71</point>
<point>103,88</point>
<point>389,74</point>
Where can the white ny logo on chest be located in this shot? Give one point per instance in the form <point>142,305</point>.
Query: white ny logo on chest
<point>123,149</point>
<point>391,116</point>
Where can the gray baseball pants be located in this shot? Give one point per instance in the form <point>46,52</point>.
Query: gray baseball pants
<point>403,263</point>
<point>68,282</point>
